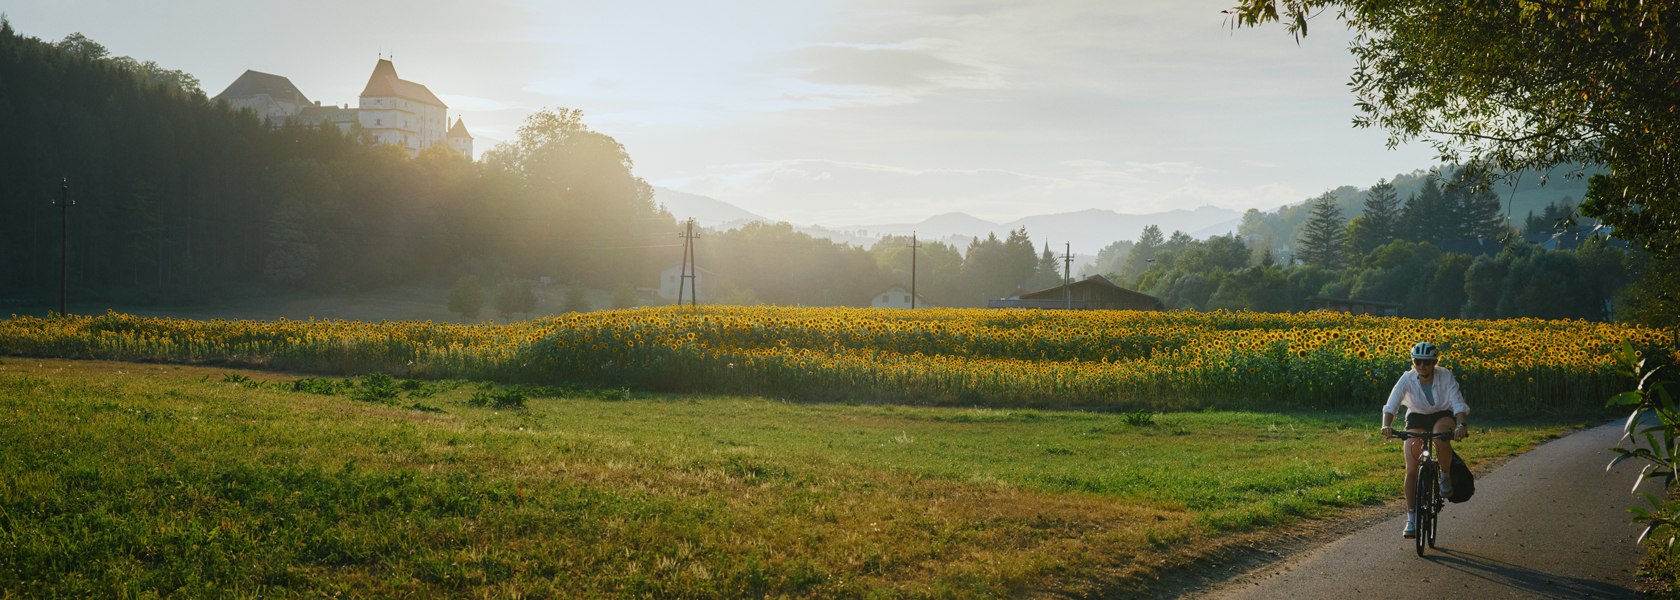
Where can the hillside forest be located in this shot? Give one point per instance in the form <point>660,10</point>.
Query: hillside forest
<point>180,201</point>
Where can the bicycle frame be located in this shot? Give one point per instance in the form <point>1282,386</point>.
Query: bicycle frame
<point>1427,497</point>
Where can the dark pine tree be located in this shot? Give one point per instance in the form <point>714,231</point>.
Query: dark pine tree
<point>1323,239</point>
<point>1422,219</point>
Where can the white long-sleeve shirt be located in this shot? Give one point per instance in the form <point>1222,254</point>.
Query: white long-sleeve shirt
<point>1408,392</point>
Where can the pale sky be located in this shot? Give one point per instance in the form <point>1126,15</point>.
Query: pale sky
<point>832,112</point>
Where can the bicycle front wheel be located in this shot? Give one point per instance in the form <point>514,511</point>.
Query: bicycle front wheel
<point>1434,516</point>
<point>1422,512</point>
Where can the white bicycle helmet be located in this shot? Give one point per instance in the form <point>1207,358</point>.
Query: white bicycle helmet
<point>1426,351</point>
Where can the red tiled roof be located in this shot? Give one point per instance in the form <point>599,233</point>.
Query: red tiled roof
<point>385,83</point>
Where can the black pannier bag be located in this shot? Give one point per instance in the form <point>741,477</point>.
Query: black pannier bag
<point>1463,483</point>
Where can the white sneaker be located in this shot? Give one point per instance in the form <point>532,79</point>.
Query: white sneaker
<point>1411,528</point>
<point>1446,486</point>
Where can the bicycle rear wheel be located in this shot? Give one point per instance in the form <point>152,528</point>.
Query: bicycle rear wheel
<point>1422,512</point>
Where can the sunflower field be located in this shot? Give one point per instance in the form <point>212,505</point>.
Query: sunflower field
<point>1098,360</point>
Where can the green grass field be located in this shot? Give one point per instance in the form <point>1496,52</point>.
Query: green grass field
<point>122,479</point>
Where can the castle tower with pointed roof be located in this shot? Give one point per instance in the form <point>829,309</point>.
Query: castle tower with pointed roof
<point>401,112</point>
<point>459,140</point>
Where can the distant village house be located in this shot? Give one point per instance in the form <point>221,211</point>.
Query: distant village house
<point>1357,307</point>
<point>671,282</point>
<point>1092,293</point>
<point>390,110</point>
<point>897,296</point>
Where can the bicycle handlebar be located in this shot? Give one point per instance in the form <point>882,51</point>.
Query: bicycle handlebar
<point>1402,434</point>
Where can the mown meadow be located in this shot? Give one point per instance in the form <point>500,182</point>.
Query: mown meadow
<point>131,479</point>
<point>722,451</point>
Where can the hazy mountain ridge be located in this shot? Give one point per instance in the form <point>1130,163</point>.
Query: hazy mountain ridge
<point>1086,230</point>
<point>705,210</point>
<point>1092,229</point>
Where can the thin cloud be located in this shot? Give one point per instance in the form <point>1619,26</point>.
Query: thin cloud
<point>1167,168</point>
<point>844,192</point>
<point>476,103</point>
<point>848,75</point>
<point>921,64</point>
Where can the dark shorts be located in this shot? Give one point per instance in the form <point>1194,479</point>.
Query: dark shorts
<point>1425,421</point>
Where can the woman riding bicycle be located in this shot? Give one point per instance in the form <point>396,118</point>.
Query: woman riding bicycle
<point>1433,404</point>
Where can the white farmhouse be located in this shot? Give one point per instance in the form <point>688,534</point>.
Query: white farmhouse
<point>897,296</point>
<point>671,281</point>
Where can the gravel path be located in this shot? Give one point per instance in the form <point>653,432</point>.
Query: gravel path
<point>1548,524</point>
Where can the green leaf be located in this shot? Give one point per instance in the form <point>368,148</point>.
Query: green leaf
<point>1624,456</point>
<point>1652,499</point>
<point>1626,399</point>
<point>1625,356</point>
<point>1646,378</point>
<point>1631,421</point>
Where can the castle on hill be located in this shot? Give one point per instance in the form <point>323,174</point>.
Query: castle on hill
<point>390,110</point>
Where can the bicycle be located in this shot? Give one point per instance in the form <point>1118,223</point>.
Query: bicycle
<point>1427,495</point>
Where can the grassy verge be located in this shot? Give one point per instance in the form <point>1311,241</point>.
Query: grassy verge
<point>127,479</point>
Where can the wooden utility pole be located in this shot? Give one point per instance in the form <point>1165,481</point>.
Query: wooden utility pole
<point>63,205</point>
<point>689,280</point>
<point>1067,273</point>
<point>913,246</point>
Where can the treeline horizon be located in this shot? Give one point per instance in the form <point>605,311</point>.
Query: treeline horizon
<point>1444,250</point>
<point>178,199</point>
<point>183,201</point>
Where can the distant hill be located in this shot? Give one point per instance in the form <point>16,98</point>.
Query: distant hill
<point>1091,230</point>
<point>705,210</point>
<point>1087,230</point>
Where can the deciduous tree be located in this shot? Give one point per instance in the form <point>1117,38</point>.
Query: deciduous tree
<point>467,297</point>
<point>1142,253</point>
<point>1524,85</point>
<point>519,297</point>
